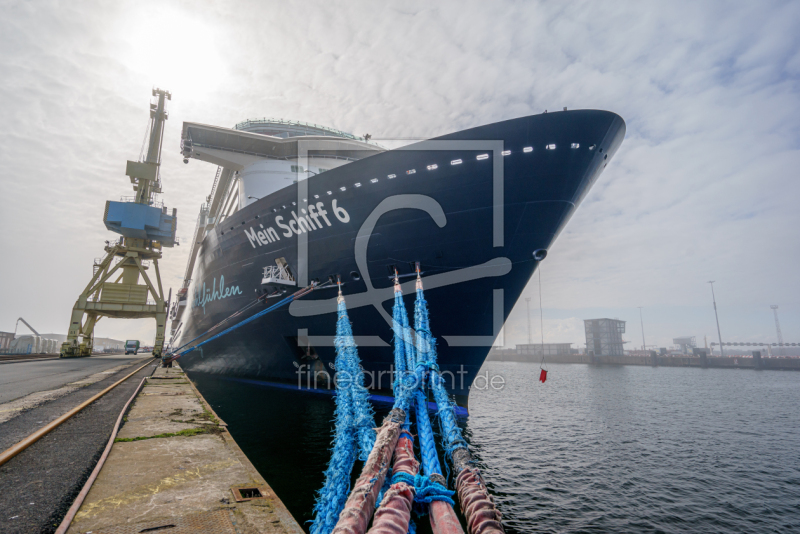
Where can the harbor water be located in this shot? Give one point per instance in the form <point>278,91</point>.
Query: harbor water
<point>594,449</point>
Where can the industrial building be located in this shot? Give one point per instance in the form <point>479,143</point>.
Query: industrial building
<point>604,337</point>
<point>686,344</point>
<point>5,341</point>
<point>530,352</point>
<point>546,349</point>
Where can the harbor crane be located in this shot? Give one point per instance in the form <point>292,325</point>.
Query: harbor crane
<point>146,227</point>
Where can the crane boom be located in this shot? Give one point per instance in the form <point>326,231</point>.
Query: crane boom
<point>32,329</point>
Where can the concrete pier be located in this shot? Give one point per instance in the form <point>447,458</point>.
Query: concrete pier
<point>175,467</point>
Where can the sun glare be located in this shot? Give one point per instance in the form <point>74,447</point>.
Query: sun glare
<point>173,49</point>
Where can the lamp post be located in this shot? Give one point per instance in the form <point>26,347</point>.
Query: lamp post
<point>528,304</point>
<point>714,299</point>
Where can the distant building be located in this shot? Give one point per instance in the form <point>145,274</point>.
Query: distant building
<point>685,344</point>
<point>604,336</point>
<point>5,340</point>
<point>529,353</point>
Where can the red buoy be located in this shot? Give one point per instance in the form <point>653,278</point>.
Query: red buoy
<point>543,376</point>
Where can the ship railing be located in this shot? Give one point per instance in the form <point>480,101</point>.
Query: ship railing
<point>269,156</point>
<point>216,181</point>
<point>278,275</point>
<point>155,203</point>
<point>266,121</point>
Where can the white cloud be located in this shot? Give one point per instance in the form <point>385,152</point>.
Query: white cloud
<point>705,186</point>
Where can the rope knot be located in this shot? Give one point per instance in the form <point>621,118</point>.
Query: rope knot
<point>427,490</point>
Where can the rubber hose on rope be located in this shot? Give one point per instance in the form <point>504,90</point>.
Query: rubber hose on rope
<point>478,506</point>
<point>394,513</point>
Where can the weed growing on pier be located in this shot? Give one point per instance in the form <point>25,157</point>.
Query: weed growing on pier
<point>186,432</point>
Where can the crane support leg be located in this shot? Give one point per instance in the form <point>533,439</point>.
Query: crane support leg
<point>125,297</point>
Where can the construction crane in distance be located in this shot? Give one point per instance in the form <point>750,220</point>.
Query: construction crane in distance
<point>774,308</point>
<point>32,329</point>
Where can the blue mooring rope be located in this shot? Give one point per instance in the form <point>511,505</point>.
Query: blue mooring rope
<point>450,430</point>
<point>427,443</point>
<point>354,425</point>
<point>427,490</point>
<point>363,415</point>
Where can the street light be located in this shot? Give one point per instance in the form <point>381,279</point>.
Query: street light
<point>528,304</point>
<point>714,298</point>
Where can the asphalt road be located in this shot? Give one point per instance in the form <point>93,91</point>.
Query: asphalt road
<point>38,486</point>
<point>18,379</point>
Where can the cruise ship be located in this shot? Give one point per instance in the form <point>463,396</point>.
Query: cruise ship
<point>296,204</point>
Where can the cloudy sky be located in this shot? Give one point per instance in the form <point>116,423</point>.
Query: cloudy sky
<point>705,186</point>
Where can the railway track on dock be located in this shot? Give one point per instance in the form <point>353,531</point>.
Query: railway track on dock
<point>20,446</point>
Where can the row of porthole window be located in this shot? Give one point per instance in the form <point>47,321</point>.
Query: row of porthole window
<point>434,166</point>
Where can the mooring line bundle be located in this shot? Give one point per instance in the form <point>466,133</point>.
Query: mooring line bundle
<point>354,421</point>
<point>415,361</point>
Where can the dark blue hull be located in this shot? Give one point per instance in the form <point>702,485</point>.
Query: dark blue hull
<point>473,227</point>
